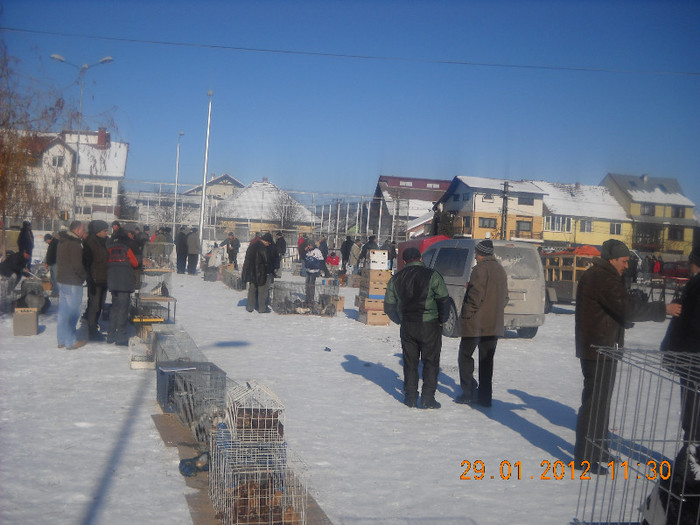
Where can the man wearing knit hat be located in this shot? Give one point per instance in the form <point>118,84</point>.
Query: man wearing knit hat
<point>482,323</point>
<point>416,298</point>
<point>603,308</point>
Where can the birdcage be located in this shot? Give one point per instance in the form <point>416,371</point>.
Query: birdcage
<point>291,298</point>
<point>255,482</point>
<point>198,394</point>
<point>653,441</point>
<point>157,254</point>
<point>254,413</point>
<point>156,282</point>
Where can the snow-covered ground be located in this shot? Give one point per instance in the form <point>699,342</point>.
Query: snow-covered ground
<point>79,443</point>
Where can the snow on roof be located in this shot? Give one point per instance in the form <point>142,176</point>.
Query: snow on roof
<point>258,201</point>
<point>657,190</point>
<point>497,184</point>
<point>419,221</point>
<point>578,200</point>
<point>406,207</point>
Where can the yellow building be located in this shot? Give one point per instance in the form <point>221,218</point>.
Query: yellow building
<point>662,217</point>
<point>496,208</point>
<point>576,214</point>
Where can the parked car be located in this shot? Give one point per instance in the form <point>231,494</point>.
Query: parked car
<point>454,259</point>
<point>675,269</point>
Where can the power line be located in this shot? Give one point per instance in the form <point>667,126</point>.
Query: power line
<point>353,56</point>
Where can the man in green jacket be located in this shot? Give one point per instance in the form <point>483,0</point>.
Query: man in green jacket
<point>416,298</point>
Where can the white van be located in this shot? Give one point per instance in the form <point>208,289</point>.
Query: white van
<point>454,259</point>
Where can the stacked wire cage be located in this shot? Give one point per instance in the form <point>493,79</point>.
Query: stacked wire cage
<point>156,255</point>
<point>291,298</point>
<point>653,438</point>
<point>253,479</point>
<point>198,394</point>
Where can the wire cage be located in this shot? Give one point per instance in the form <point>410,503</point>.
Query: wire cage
<point>654,441</point>
<point>291,298</point>
<point>255,482</point>
<point>199,397</point>
<point>156,282</point>
<point>157,254</point>
<point>254,413</point>
<point>175,345</point>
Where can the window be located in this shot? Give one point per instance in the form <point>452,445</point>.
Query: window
<point>523,226</point>
<point>526,201</point>
<point>488,197</point>
<point>405,183</point>
<point>557,223</point>
<point>487,222</point>
<point>586,225</point>
<point>97,192</point>
<point>648,209</point>
<point>455,197</point>
<point>678,212</point>
<point>676,234</point>
<point>57,161</point>
<point>615,228</point>
<point>433,185</point>
<point>466,196</point>
<point>467,222</point>
<point>450,262</point>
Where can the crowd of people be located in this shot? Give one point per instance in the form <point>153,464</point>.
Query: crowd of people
<point>108,258</point>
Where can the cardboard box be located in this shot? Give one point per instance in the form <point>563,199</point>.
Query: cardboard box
<point>339,303</point>
<point>25,321</point>
<point>374,318</point>
<point>376,276</point>
<point>378,260</point>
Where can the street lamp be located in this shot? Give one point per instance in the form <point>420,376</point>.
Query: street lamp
<point>81,75</point>
<point>177,172</point>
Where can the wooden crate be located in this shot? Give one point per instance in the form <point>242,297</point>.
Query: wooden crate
<point>365,303</point>
<point>339,303</point>
<point>374,318</point>
<point>376,276</point>
<point>374,290</point>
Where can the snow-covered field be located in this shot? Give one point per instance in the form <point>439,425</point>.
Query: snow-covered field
<point>79,444</point>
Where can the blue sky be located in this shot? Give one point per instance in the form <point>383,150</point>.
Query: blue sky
<point>327,95</point>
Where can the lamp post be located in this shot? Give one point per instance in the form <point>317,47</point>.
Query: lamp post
<point>177,172</point>
<point>81,75</point>
<point>204,178</point>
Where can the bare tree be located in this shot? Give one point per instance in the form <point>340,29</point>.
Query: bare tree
<point>24,114</point>
<point>286,210</point>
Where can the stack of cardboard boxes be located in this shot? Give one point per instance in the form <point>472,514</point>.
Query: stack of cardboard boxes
<point>370,300</point>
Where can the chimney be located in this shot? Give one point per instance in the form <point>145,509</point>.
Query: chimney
<point>264,179</point>
<point>102,138</point>
<point>578,185</point>
<point>645,178</point>
<point>213,176</point>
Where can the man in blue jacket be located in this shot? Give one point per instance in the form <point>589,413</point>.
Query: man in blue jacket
<point>416,298</point>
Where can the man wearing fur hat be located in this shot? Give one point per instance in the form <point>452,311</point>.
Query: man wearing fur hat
<point>416,298</point>
<point>603,310</point>
<point>481,324</point>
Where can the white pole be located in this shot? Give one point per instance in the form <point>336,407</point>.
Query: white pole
<point>204,178</point>
<point>177,173</point>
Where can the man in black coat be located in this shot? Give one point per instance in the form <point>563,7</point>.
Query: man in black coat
<point>233,246</point>
<point>181,249</point>
<point>25,242</point>
<point>345,251</point>
<point>683,335</point>
<point>95,262</point>
<point>281,245</point>
<point>256,272</point>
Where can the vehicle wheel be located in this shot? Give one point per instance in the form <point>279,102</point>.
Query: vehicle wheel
<point>450,328</point>
<point>527,332</point>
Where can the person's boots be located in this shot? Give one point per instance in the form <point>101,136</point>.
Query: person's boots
<point>428,401</point>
